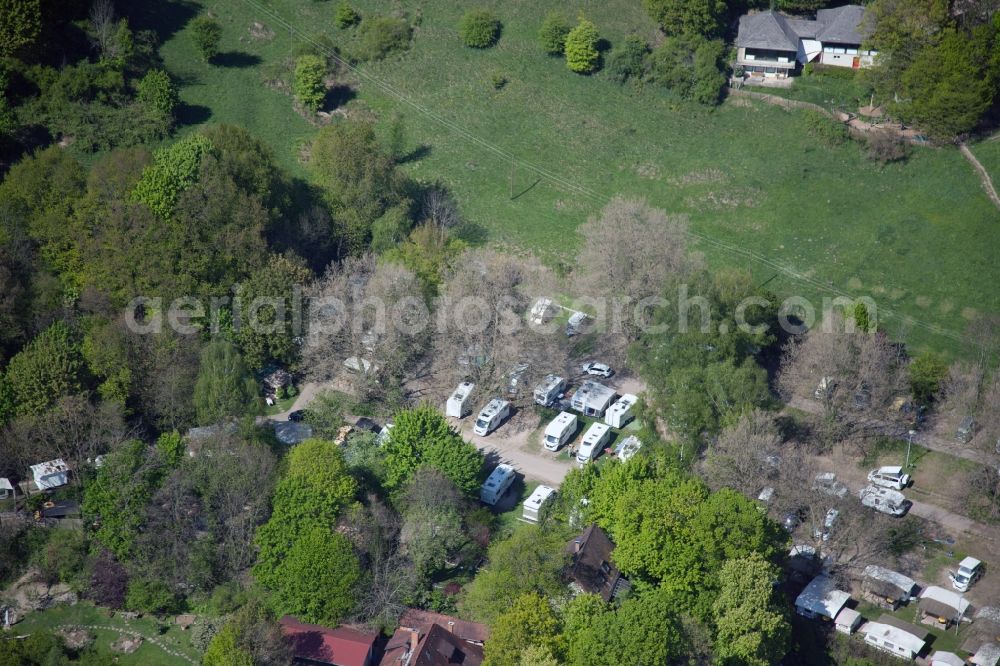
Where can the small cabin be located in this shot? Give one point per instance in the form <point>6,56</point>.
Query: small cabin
<point>51,474</point>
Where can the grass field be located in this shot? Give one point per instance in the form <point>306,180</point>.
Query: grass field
<point>809,219</point>
<point>85,614</point>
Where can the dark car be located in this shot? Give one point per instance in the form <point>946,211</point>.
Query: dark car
<point>297,415</point>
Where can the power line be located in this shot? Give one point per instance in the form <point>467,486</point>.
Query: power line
<point>565,184</point>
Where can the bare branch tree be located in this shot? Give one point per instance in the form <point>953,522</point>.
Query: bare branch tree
<point>632,250</point>
<point>746,456</point>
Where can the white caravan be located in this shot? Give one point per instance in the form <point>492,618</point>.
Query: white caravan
<point>493,414</point>
<point>549,390</point>
<point>458,403</point>
<point>885,500</point>
<point>500,480</point>
<point>559,431</point>
<point>533,505</point>
<point>620,413</point>
<point>594,440</point>
<point>627,448</point>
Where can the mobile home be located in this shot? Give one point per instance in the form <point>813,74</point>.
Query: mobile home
<point>592,398</point>
<point>500,480</point>
<point>594,440</point>
<point>627,448</point>
<point>620,413</point>
<point>559,431</point>
<point>549,390</point>
<point>458,403</point>
<point>493,414</point>
<point>533,505</point>
<point>895,636</point>
<point>885,500</point>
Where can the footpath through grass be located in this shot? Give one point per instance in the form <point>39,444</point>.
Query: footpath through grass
<point>760,192</point>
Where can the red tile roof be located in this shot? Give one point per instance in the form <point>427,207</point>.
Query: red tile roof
<point>414,618</point>
<point>340,646</point>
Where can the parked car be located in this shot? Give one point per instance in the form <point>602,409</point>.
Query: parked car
<point>598,369</point>
<point>297,415</point>
<point>792,519</point>
<point>889,476</point>
<point>827,482</point>
<point>969,571</point>
<point>828,523</point>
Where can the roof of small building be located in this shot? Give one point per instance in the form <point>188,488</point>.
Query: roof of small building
<point>943,603</point>
<point>842,25</point>
<point>983,630</point>
<point>940,658</point>
<point>292,432</point>
<point>822,598</point>
<point>49,467</point>
<point>898,632</point>
<point>987,655</point>
<point>766,30</point>
<point>431,645</point>
<point>887,583</point>
<point>847,617</point>
<point>591,552</point>
<point>414,618</point>
<point>773,31</point>
<point>341,646</point>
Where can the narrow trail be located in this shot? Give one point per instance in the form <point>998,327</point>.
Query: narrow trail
<point>984,175</point>
<point>135,634</point>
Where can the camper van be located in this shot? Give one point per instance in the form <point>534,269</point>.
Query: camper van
<point>885,500</point>
<point>549,390</point>
<point>559,431</point>
<point>458,404</point>
<point>533,505</point>
<point>493,414</point>
<point>620,413</point>
<point>889,477</point>
<point>627,448</point>
<point>969,571</point>
<point>594,440</point>
<point>500,480</point>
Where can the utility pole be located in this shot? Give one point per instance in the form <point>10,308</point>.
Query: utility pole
<point>909,443</point>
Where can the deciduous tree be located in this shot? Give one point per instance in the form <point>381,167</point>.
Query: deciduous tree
<point>751,626</point>
<point>529,621</point>
<point>224,388</point>
<point>582,55</point>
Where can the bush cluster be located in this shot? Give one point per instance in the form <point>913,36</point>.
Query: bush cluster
<point>479,29</point>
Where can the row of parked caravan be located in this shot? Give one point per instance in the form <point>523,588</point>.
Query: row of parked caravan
<point>499,482</point>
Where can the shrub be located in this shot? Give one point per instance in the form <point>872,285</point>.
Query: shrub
<point>552,34</point>
<point>479,29</point>
<point>172,171</point>
<point>885,146</point>
<point>629,60</point>
<point>156,92</point>
<point>308,84</point>
<point>582,55</point>
<point>346,15</point>
<point>498,81</point>
<point>690,67</point>
<point>825,129</point>
<point>379,36</point>
<point>151,596</point>
<point>206,32</point>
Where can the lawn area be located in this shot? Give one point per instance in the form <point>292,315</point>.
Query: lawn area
<point>809,219</point>
<point>988,154</point>
<point>831,91</point>
<point>83,613</point>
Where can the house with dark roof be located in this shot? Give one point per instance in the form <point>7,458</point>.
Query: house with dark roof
<point>591,568</point>
<point>431,639</point>
<point>313,644</point>
<point>772,45</point>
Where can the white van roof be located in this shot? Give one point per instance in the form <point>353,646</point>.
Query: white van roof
<point>890,469</point>
<point>548,383</point>
<point>492,407</point>
<point>538,497</point>
<point>462,391</point>
<point>497,476</point>
<point>595,432</point>
<point>560,422</point>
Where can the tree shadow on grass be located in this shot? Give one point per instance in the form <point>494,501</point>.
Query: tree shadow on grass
<point>193,114</point>
<point>472,233</point>
<point>337,96</point>
<point>415,155</point>
<point>163,17</point>
<point>236,60</point>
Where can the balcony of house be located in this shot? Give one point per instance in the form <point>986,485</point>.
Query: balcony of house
<point>764,67</point>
